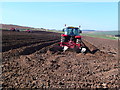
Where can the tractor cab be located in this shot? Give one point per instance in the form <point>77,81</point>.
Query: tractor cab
<point>72,31</point>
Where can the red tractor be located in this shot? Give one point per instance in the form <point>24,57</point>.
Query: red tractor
<point>28,30</point>
<point>12,29</point>
<point>15,29</point>
<point>72,39</point>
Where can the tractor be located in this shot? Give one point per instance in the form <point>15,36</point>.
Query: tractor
<point>71,39</point>
<point>15,29</point>
<point>28,30</point>
<point>12,29</point>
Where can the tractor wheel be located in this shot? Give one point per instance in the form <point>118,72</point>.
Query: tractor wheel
<point>78,41</point>
<point>62,39</point>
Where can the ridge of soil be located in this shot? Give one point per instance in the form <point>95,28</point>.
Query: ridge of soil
<point>34,64</point>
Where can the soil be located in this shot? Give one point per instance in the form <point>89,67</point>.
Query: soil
<point>29,61</point>
<point>106,45</point>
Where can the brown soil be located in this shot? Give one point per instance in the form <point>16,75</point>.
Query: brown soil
<point>106,45</point>
<point>29,61</point>
<point>9,26</point>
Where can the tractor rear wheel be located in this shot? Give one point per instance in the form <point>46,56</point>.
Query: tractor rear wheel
<point>78,40</point>
<point>62,39</point>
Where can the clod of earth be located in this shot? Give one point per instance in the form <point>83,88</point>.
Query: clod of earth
<point>33,60</point>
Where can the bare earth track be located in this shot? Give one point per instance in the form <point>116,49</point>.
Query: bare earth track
<point>29,61</point>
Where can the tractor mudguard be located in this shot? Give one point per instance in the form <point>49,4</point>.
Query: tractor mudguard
<point>77,36</point>
<point>63,35</point>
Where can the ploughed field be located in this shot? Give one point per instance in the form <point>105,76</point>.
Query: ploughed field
<point>30,61</point>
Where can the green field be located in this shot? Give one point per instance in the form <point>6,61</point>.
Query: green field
<point>102,34</point>
<point>99,34</point>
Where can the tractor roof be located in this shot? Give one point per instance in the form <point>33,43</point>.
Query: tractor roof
<point>73,27</point>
